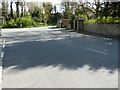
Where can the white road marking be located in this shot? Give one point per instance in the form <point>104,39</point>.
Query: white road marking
<point>3,46</point>
<point>3,40</point>
<point>2,54</point>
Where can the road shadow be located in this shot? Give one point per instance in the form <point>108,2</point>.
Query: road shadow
<point>69,52</point>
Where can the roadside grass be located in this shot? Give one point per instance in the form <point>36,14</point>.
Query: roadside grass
<point>30,26</point>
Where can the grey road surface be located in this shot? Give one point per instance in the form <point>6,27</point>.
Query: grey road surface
<point>49,57</point>
<point>1,62</point>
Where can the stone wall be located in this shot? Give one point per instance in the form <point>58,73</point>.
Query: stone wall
<point>105,29</point>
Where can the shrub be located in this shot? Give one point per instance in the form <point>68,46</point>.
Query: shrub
<point>116,20</point>
<point>36,19</point>
<point>10,24</point>
<point>104,20</point>
<point>25,22</point>
<point>91,21</point>
<point>20,22</point>
<point>110,19</point>
<point>99,20</point>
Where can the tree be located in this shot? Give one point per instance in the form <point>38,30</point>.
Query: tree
<point>112,9</point>
<point>17,7</point>
<point>47,9</point>
<point>66,8</point>
<point>22,8</point>
<point>11,9</point>
<point>69,8</point>
<point>55,9</point>
<point>35,9</point>
<point>105,8</point>
<point>5,9</point>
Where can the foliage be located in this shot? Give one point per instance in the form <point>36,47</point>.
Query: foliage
<point>99,20</point>
<point>10,24</point>
<point>79,11</point>
<point>110,19</point>
<point>53,18</point>
<point>36,12</point>
<point>20,22</point>
<point>117,20</point>
<point>48,8</point>
<point>105,20</point>
<point>37,20</point>
<point>26,21</point>
<point>91,21</point>
<point>67,10</point>
<point>83,16</point>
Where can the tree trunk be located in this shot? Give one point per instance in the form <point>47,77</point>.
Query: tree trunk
<point>11,9</point>
<point>5,9</point>
<point>17,9</point>
<point>21,9</point>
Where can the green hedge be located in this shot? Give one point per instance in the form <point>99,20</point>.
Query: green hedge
<point>20,22</point>
<point>91,21</point>
<point>10,24</point>
<point>108,20</point>
<point>25,22</point>
<point>105,20</point>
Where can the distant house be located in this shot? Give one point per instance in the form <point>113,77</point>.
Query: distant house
<point>63,23</point>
